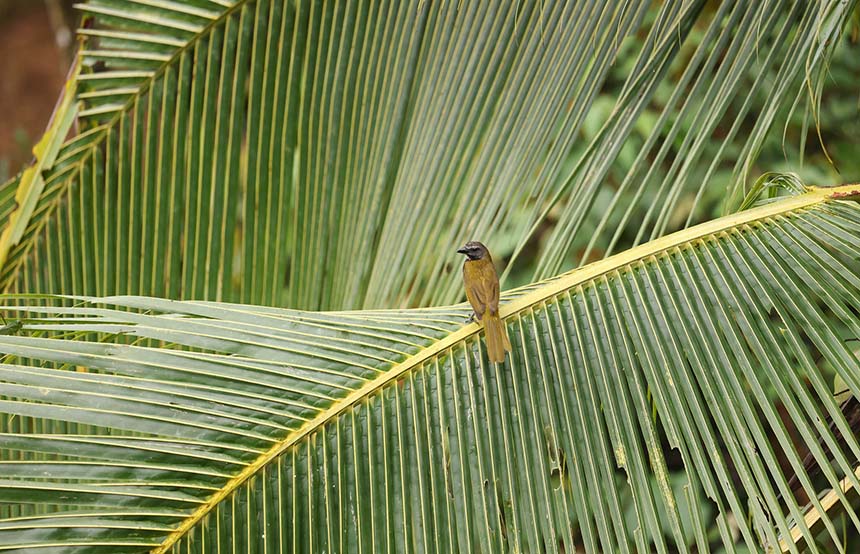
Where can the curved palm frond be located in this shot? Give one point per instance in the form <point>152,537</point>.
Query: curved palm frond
<point>156,425</point>
<point>29,185</point>
<point>131,44</point>
<point>294,153</point>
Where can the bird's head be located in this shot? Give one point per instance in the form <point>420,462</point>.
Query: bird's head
<point>474,250</point>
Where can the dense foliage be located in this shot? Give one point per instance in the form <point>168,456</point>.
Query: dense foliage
<point>216,171</point>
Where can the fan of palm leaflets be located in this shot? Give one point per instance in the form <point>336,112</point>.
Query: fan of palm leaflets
<point>139,424</point>
<point>293,153</point>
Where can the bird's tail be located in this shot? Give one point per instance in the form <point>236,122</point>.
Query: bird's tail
<point>497,338</point>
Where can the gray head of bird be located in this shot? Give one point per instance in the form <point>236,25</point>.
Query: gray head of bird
<point>474,250</point>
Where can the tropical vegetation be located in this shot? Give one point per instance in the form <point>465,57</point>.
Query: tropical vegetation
<point>231,287</point>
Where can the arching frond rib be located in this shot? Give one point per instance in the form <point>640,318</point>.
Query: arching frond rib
<point>536,297</point>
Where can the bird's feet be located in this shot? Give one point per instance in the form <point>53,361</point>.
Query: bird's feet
<point>472,318</point>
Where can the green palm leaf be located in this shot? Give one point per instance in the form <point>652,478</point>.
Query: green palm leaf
<point>144,424</point>
<point>296,153</point>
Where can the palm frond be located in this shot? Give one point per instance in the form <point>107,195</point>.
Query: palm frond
<point>330,155</point>
<point>217,426</point>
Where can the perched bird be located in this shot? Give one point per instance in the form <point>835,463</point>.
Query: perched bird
<point>482,290</point>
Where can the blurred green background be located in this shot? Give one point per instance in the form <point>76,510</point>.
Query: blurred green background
<point>793,145</point>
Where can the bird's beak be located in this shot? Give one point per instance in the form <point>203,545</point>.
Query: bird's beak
<point>462,250</point>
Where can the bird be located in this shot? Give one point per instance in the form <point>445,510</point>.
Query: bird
<point>482,291</point>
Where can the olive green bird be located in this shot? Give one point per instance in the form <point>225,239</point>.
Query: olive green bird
<point>482,290</point>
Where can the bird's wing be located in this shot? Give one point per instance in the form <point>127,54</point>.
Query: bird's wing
<point>477,298</point>
<point>494,295</point>
<point>475,287</point>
